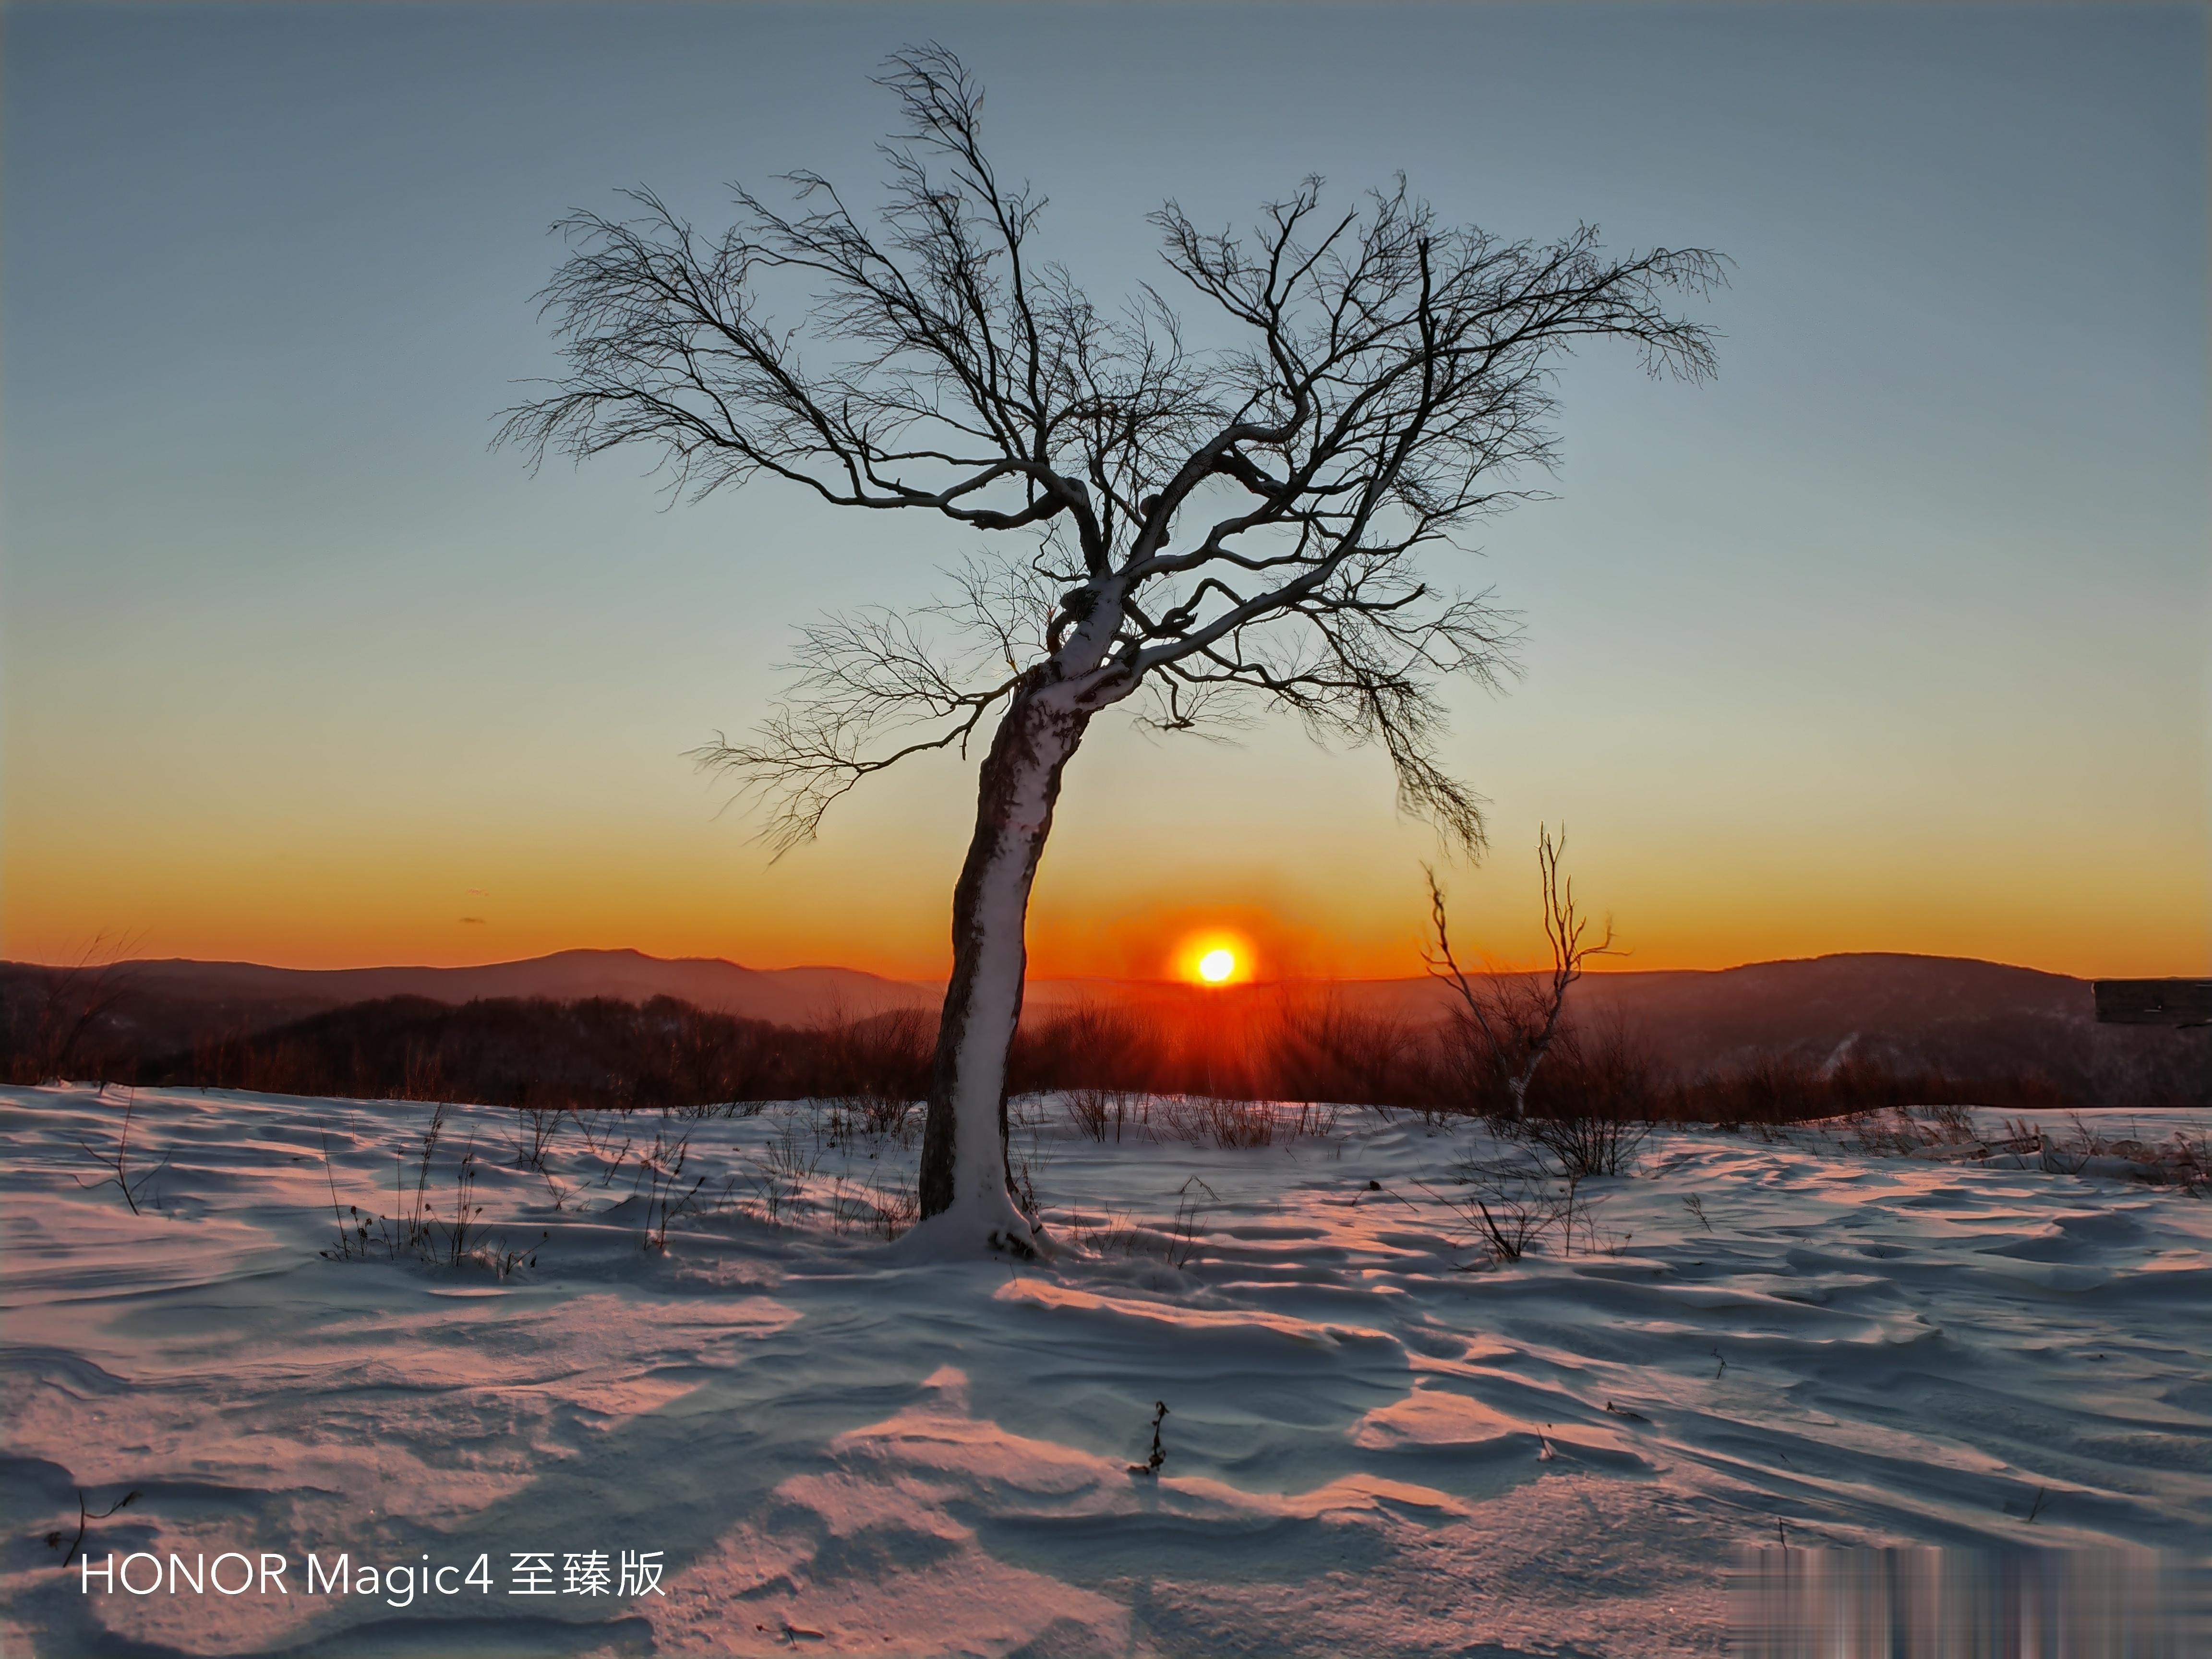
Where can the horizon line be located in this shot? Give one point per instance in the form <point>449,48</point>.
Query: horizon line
<point>1031,979</point>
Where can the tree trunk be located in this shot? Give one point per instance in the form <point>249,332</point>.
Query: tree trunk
<point>965,1196</point>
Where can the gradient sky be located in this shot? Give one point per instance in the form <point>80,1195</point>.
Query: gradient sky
<point>1894,638</point>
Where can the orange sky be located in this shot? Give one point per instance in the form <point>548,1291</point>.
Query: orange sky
<point>1134,876</point>
<point>1892,637</point>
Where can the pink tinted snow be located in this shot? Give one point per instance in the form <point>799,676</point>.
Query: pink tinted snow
<point>1376,1441</point>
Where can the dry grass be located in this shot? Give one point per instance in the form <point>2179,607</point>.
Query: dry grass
<point>1200,1120</point>
<point>416,1232</point>
<point>1585,1144</point>
<point>1109,1232</point>
<point>1188,1232</point>
<point>1104,1115</point>
<point>2182,1160</point>
<point>1509,1204</point>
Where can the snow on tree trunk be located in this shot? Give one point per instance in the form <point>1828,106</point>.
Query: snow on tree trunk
<point>965,1197</point>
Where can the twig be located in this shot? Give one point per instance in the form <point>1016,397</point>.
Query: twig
<point>1378,1187</point>
<point>331,1175</point>
<point>1189,1212</point>
<point>84,1518</point>
<point>119,1161</point>
<point>1150,1466</point>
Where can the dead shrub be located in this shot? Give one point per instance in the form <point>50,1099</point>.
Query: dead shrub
<point>1230,1124</point>
<point>1086,1047</point>
<point>1588,1143</point>
<point>1107,1113</point>
<point>1319,1049</point>
<point>1510,1203</point>
<point>133,1187</point>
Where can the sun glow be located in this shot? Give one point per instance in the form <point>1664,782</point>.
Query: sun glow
<point>1214,956</point>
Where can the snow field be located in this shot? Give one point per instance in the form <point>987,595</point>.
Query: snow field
<point>692,1337</point>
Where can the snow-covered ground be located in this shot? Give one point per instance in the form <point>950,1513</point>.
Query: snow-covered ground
<point>1377,1439</point>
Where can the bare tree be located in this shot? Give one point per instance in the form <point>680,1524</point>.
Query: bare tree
<point>74,1002</point>
<point>1203,525</point>
<point>1510,1020</point>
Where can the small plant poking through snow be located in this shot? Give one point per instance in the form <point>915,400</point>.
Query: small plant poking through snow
<point>781,1171</point>
<point>1949,1134</point>
<point>534,1126</point>
<point>1510,1202</point>
<point>86,1517</point>
<point>467,1211</point>
<point>417,1234</point>
<point>1505,1205</point>
<point>118,1162</point>
<point>660,1179</point>
<point>885,1207</point>
<point>1190,1214</point>
<point>1027,1155</point>
<point>1108,1233</point>
<point>1234,1124</point>
<point>1150,1466</point>
<point>1586,1143</point>
<point>1096,1112</point>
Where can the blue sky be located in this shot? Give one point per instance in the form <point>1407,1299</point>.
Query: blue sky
<point>1893,637</point>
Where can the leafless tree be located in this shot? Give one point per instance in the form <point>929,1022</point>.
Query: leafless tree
<point>1207,525</point>
<point>73,1001</point>
<point>1510,1021</point>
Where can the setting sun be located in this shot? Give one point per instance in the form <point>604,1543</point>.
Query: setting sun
<point>1215,956</point>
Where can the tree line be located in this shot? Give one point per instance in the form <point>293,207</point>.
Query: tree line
<point>602,1054</point>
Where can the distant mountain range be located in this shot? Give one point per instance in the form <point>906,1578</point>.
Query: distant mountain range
<point>788,996</point>
<point>1965,1017</point>
<point>1754,1003</point>
<point>1695,1016</point>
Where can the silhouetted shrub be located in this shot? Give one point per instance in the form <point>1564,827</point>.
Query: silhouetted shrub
<point>1086,1048</point>
<point>1772,1090</point>
<point>542,1055</point>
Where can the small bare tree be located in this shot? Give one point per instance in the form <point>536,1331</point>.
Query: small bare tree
<point>47,1040</point>
<point>1200,524</point>
<point>1510,1021</point>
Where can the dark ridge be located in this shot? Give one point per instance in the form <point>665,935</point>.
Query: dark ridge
<point>1692,1052</point>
